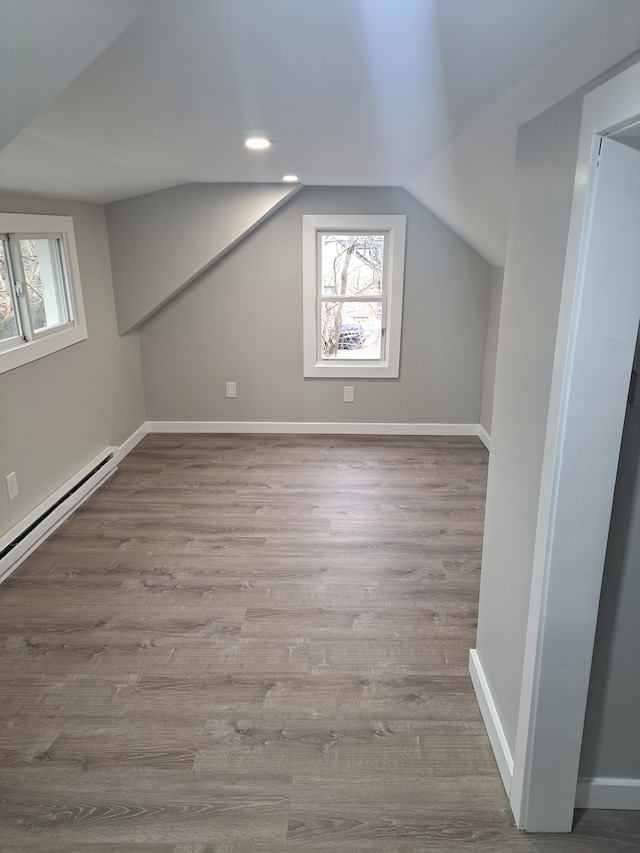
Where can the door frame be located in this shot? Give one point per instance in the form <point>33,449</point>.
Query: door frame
<point>566,580</point>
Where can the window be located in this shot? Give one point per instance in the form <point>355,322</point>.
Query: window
<point>353,282</point>
<point>41,307</point>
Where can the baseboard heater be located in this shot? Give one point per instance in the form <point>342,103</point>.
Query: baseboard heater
<point>25,537</point>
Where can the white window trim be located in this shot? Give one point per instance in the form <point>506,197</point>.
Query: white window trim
<point>24,352</point>
<point>395,227</point>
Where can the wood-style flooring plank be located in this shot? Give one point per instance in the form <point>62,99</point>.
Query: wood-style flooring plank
<point>452,618</point>
<point>400,811</point>
<point>438,656</point>
<point>161,806</point>
<point>343,748</point>
<point>104,743</point>
<point>274,698</point>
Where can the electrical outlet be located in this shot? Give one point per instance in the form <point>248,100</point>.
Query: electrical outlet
<point>348,393</point>
<point>231,389</point>
<point>12,485</point>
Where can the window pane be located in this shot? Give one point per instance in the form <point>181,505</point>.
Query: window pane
<point>44,282</point>
<point>351,330</point>
<point>8,321</point>
<point>352,264</point>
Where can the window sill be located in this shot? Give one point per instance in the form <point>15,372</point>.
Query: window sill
<point>349,370</point>
<point>27,351</point>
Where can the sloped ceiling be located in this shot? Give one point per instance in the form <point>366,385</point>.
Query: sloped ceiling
<point>44,46</point>
<point>352,92</point>
<point>468,183</point>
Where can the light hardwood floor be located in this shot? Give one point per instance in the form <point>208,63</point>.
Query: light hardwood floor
<point>259,644</point>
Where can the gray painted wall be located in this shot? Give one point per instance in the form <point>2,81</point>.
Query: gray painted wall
<point>541,205</point>
<point>491,349</point>
<point>161,241</point>
<point>611,739</point>
<point>58,413</point>
<point>241,321</point>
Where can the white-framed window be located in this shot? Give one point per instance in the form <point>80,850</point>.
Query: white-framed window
<point>41,309</point>
<point>353,278</point>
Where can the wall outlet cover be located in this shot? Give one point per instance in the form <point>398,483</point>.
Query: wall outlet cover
<point>12,485</point>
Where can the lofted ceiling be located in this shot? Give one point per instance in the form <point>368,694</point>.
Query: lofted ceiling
<point>149,95</point>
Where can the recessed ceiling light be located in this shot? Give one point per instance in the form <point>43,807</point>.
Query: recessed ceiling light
<point>257,143</point>
<point>290,179</point>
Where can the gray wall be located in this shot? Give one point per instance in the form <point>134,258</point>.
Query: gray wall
<point>60,411</point>
<point>534,267</point>
<point>161,241</point>
<point>611,739</point>
<point>241,321</point>
<point>491,349</point>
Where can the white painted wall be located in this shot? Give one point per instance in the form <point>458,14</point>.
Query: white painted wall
<point>491,350</point>
<point>543,190</point>
<point>241,321</point>
<point>59,412</point>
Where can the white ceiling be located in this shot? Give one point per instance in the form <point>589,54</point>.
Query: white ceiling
<point>352,92</point>
<point>41,54</point>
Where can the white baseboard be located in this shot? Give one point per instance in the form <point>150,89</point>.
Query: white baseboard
<point>491,721</point>
<point>311,428</point>
<point>129,443</point>
<point>484,437</point>
<point>603,792</point>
